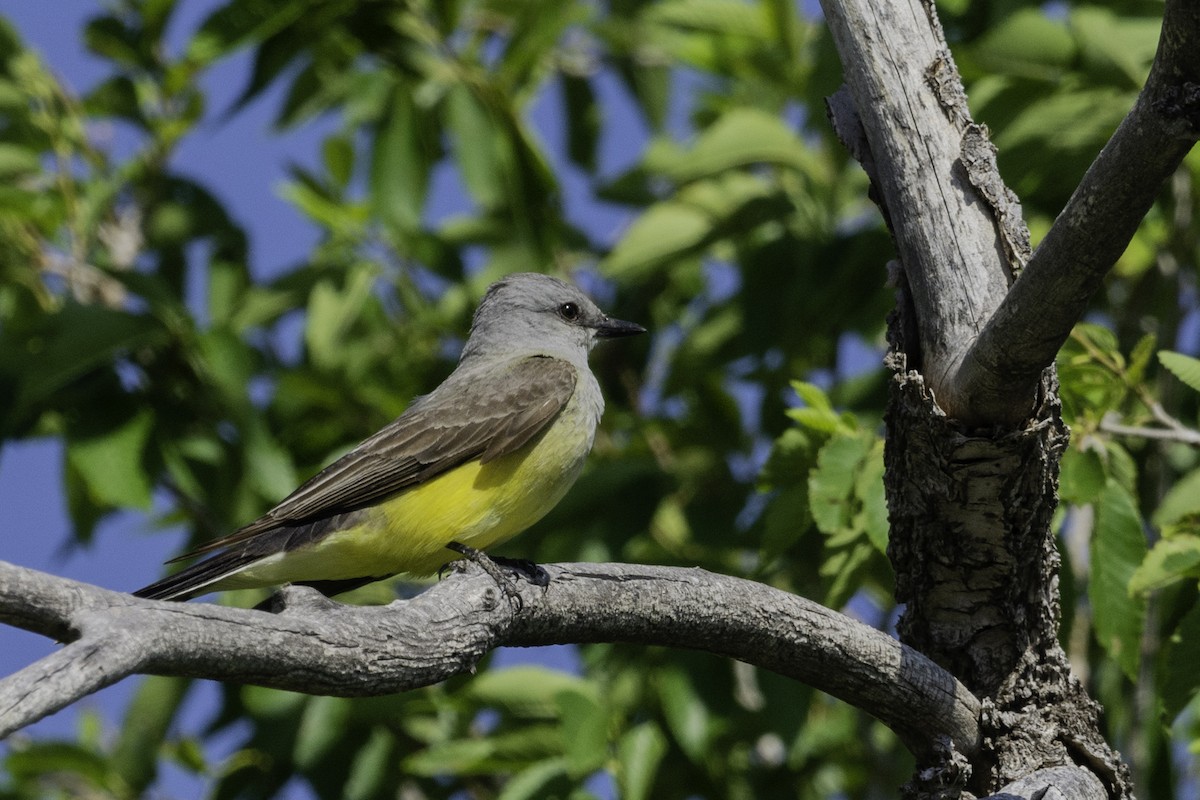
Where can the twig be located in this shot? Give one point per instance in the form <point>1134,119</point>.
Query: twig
<point>999,372</point>
<point>1172,433</point>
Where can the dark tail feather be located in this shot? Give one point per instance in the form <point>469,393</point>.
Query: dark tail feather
<point>192,581</point>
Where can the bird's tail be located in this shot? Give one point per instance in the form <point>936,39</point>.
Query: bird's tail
<point>195,579</point>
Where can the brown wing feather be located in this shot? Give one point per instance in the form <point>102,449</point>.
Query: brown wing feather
<point>470,416</point>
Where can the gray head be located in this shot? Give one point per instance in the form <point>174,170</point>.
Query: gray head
<point>528,311</point>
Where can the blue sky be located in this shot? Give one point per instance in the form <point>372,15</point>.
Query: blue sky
<point>243,162</point>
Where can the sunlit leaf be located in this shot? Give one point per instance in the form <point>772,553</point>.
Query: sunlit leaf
<point>534,781</point>
<point>1026,42</point>
<point>110,463</point>
<point>1181,501</point>
<point>1118,548</point>
<point>1184,367</point>
<point>372,764</point>
<point>639,754</point>
<point>585,731</point>
<point>322,726</point>
<point>1082,476</point>
<point>666,230</point>
<point>1177,661</point>
<point>1168,561</point>
<point>831,483</point>
<point>525,689</point>
<point>686,713</point>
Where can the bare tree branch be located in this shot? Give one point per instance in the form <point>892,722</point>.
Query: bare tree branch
<point>317,646</point>
<point>912,131</point>
<point>1093,230</point>
<point>982,347</point>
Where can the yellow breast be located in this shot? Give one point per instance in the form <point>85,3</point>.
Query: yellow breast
<point>476,504</point>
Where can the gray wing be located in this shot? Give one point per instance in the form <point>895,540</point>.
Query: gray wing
<point>483,417</point>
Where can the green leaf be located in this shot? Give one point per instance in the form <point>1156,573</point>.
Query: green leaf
<point>1115,47</point>
<point>228,364</point>
<point>1069,121</point>
<point>479,149</point>
<point>269,466</point>
<point>1139,358</point>
<point>17,160</point>
<point>116,97</point>
<point>371,766</point>
<point>1082,477</point>
<point>817,413</point>
<point>582,115</point>
<point>110,463</point>
<point>149,716</point>
<point>786,520</point>
<point>831,483</point>
<point>868,489</point>
<point>1186,368</point>
<point>1169,561</point>
<point>845,567</point>
<point>664,231</point>
<point>502,752</point>
<point>1027,43</point>
<point>1183,500</point>
<point>322,728</point>
<point>639,754</point>
<point>1120,466</point>
<point>44,760</point>
<point>337,154</point>
<point>584,730</point>
<point>525,690</point>
<point>272,703</point>
<point>792,456</point>
<point>534,782</point>
<point>1178,676</point>
<point>1118,548</point>
<point>12,97</point>
<point>67,345</point>
<point>687,715</point>
<point>400,162</point>
<point>240,21</point>
<point>743,137</point>
<point>331,312</point>
<point>346,218</point>
<point>108,36</point>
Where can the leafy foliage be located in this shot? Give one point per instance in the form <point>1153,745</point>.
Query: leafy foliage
<point>748,444</point>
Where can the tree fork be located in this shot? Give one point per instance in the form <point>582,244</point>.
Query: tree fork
<point>977,566</point>
<point>971,466</point>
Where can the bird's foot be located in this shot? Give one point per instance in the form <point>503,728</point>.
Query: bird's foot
<point>526,568</point>
<point>496,567</point>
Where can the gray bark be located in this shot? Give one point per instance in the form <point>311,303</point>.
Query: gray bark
<point>1094,229</point>
<point>974,442</point>
<point>974,432</point>
<point>317,646</point>
<point>958,229</point>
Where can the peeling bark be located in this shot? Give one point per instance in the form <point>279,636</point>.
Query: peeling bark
<point>977,566</point>
<point>974,437</point>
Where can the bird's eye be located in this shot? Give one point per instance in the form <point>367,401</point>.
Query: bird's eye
<point>569,311</point>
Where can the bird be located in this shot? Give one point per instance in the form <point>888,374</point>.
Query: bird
<point>466,467</point>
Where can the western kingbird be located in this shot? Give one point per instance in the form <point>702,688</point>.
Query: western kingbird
<point>470,465</point>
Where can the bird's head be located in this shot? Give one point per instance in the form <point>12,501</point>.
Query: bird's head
<point>531,312</point>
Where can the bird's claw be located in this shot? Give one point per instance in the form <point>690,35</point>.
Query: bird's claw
<point>496,566</point>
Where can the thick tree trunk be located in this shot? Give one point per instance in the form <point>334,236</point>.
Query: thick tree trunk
<point>977,564</point>
<point>975,438</point>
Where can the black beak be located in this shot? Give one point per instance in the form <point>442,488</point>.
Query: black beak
<point>616,328</point>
